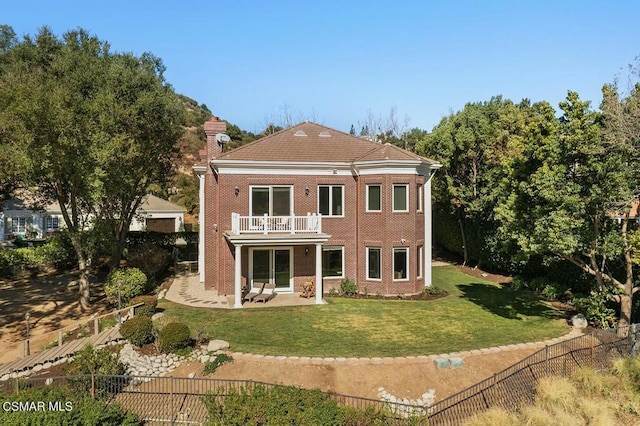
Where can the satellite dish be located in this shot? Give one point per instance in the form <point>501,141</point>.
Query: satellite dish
<point>222,138</point>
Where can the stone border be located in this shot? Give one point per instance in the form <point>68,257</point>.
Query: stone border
<point>410,358</point>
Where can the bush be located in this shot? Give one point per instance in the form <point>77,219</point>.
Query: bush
<point>149,307</point>
<point>152,260</point>
<point>88,362</point>
<point>83,410</point>
<point>596,309</point>
<point>212,365</point>
<point>131,282</point>
<point>282,405</point>
<point>174,336</point>
<point>348,287</point>
<point>138,330</point>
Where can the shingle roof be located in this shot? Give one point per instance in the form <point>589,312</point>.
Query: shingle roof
<point>311,142</point>
<point>152,203</point>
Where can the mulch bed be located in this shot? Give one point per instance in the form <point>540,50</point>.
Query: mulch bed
<point>419,296</point>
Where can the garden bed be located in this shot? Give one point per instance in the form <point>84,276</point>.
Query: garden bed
<point>425,295</point>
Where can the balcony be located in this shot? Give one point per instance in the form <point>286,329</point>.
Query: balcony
<point>309,224</point>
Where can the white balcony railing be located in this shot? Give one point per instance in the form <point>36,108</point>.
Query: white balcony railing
<point>309,224</point>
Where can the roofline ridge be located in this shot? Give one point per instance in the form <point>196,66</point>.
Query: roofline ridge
<point>258,140</point>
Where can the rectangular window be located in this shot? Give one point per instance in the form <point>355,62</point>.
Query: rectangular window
<point>420,261</point>
<point>374,198</point>
<point>52,223</point>
<point>271,200</point>
<point>333,262</point>
<point>374,263</point>
<point>419,198</point>
<point>331,200</point>
<point>19,225</point>
<point>400,195</point>
<point>400,263</point>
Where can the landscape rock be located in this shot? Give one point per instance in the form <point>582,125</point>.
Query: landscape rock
<point>162,294</point>
<point>217,345</point>
<point>579,321</point>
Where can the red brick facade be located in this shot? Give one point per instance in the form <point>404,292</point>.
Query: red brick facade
<point>228,192</point>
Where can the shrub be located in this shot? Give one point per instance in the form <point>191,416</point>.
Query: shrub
<point>138,330</point>
<point>348,287</point>
<point>282,405</point>
<point>595,308</point>
<point>433,290</point>
<point>519,283</point>
<point>88,362</point>
<point>83,410</point>
<point>174,336</point>
<point>149,307</point>
<point>130,281</point>
<point>150,259</point>
<point>212,365</point>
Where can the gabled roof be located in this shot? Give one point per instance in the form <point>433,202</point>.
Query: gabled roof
<point>311,142</point>
<point>152,203</point>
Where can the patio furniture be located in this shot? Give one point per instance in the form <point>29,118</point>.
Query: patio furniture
<point>256,289</point>
<point>267,293</point>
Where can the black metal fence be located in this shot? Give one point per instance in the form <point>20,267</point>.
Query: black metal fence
<point>177,400</point>
<point>516,386</point>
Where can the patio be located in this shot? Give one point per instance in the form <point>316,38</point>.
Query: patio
<point>188,290</point>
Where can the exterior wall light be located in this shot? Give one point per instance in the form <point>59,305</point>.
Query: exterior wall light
<point>306,191</point>
<point>237,191</point>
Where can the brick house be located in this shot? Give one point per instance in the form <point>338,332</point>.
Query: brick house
<point>313,203</point>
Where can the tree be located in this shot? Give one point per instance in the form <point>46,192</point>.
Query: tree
<point>97,127</point>
<point>565,184</point>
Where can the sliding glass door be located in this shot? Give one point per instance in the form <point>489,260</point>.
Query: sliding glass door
<point>273,265</point>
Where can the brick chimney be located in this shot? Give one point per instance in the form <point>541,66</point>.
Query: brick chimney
<point>211,128</point>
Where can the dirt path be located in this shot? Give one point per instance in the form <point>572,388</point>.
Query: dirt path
<point>404,378</point>
<point>52,302</point>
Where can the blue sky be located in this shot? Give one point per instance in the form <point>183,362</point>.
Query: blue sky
<point>334,61</point>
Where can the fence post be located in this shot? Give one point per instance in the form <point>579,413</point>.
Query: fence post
<point>96,326</point>
<point>59,337</point>
<point>93,386</point>
<point>495,390</point>
<point>546,359</point>
<point>634,341</point>
<point>592,339</point>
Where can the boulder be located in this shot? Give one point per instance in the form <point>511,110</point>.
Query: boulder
<point>579,321</point>
<point>217,345</point>
<point>157,316</point>
<point>162,294</point>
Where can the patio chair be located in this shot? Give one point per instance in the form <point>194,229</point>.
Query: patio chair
<point>267,293</point>
<point>256,289</point>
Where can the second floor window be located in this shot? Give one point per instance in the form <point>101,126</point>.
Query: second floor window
<point>331,200</point>
<point>374,198</point>
<point>271,200</point>
<point>400,198</point>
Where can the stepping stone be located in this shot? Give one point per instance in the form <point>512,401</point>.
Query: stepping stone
<point>442,362</point>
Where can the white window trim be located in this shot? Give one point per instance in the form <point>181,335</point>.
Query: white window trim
<point>393,266</point>
<point>344,207</point>
<point>291,198</point>
<point>367,198</point>
<point>420,261</point>
<point>335,248</point>
<point>393,198</point>
<point>15,225</point>
<point>419,197</point>
<point>49,222</point>
<point>367,250</point>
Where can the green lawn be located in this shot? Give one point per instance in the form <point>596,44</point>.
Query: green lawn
<point>475,314</point>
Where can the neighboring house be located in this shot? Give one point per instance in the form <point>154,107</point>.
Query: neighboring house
<point>314,203</point>
<point>19,218</point>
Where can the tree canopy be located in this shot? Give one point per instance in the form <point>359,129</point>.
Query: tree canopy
<point>92,129</point>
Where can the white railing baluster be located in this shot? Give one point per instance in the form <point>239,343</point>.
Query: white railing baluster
<point>265,224</point>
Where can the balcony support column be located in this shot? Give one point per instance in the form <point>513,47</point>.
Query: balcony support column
<point>238,278</point>
<point>319,300</point>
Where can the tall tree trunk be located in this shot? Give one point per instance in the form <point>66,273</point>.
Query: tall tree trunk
<point>465,251</point>
<point>626,299</point>
<point>83,268</point>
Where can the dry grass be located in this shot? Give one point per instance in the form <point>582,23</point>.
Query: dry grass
<point>586,398</point>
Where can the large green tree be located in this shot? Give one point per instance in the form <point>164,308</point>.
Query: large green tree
<point>97,127</point>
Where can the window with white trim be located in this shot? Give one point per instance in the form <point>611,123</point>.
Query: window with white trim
<point>333,262</point>
<point>419,197</point>
<point>52,223</point>
<point>401,198</point>
<point>420,261</point>
<point>400,263</point>
<point>271,200</point>
<point>374,198</point>
<point>374,263</point>
<point>19,225</point>
<point>331,200</point>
